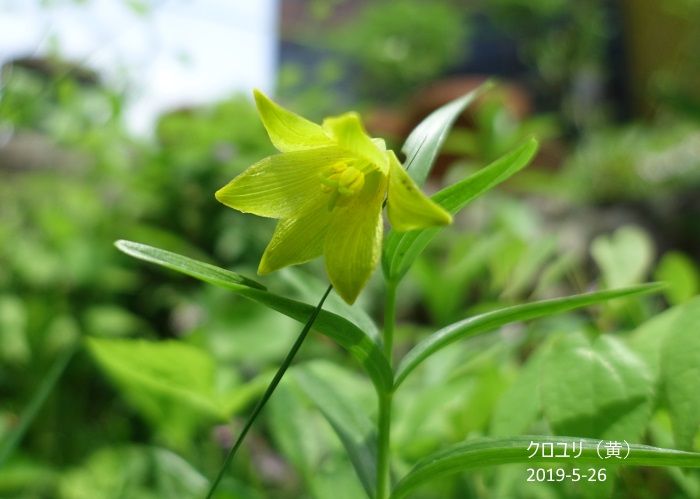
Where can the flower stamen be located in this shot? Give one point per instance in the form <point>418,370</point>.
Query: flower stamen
<point>342,179</point>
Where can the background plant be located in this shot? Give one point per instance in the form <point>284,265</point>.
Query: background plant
<point>532,239</point>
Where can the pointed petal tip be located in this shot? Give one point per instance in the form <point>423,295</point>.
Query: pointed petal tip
<point>263,267</point>
<point>260,97</point>
<point>348,295</point>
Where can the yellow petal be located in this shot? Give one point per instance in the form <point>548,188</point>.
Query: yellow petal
<point>408,208</point>
<point>349,133</point>
<point>289,131</point>
<point>353,242</point>
<point>279,185</point>
<point>298,239</point>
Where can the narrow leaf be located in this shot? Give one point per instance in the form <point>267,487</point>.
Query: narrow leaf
<point>489,452</point>
<point>347,334</point>
<point>423,144</point>
<point>350,423</point>
<point>402,248</point>
<point>497,318</point>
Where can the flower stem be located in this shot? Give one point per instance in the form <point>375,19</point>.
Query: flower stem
<point>268,392</point>
<point>389,320</point>
<point>383,442</point>
<point>385,401</point>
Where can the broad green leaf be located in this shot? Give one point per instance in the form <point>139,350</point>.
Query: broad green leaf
<point>596,389</point>
<point>352,425</point>
<point>648,339</point>
<point>357,342</point>
<point>623,257</point>
<point>423,144</point>
<point>682,277</point>
<point>489,452</point>
<point>402,248</point>
<point>159,377</point>
<point>497,318</point>
<point>680,372</point>
<point>520,406</point>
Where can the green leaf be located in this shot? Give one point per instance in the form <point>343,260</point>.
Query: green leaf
<point>402,248</point>
<point>307,443</point>
<point>648,339</point>
<point>680,371</point>
<point>680,273</point>
<point>497,318</point>
<point>520,406</point>
<point>350,336</point>
<point>135,472</point>
<point>596,389</point>
<point>310,288</point>
<point>623,257</point>
<point>423,144</point>
<point>160,376</point>
<point>353,427</point>
<point>193,268</point>
<point>489,452</point>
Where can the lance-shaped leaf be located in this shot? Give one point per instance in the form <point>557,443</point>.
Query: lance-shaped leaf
<point>402,248</point>
<point>490,452</point>
<point>350,423</point>
<point>423,144</point>
<point>497,318</point>
<point>347,334</point>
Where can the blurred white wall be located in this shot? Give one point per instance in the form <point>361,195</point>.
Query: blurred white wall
<point>179,52</point>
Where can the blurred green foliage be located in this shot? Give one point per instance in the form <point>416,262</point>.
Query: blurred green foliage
<point>173,365</point>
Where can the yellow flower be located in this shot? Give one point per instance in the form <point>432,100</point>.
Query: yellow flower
<point>327,188</point>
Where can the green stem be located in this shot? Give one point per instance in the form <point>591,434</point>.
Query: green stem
<point>383,442</point>
<point>268,392</point>
<point>389,320</point>
<point>385,401</point>
<point>37,402</point>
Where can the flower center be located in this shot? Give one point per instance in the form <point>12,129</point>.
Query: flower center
<point>342,179</point>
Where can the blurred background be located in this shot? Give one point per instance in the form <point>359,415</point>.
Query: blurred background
<point>120,118</point>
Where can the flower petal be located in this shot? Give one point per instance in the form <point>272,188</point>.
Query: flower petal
<point>349,133</point>
<point>278,186</point>
<point>289,131</point>
<point>353,242</point>
<point>298,239</point>
<point>408,208</point>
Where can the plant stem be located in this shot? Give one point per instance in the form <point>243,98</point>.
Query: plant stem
<point>389,320</point>
<point>385,400</point>
<point>36,403</point>
<point>383,443</point>
<point>268,392</point>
